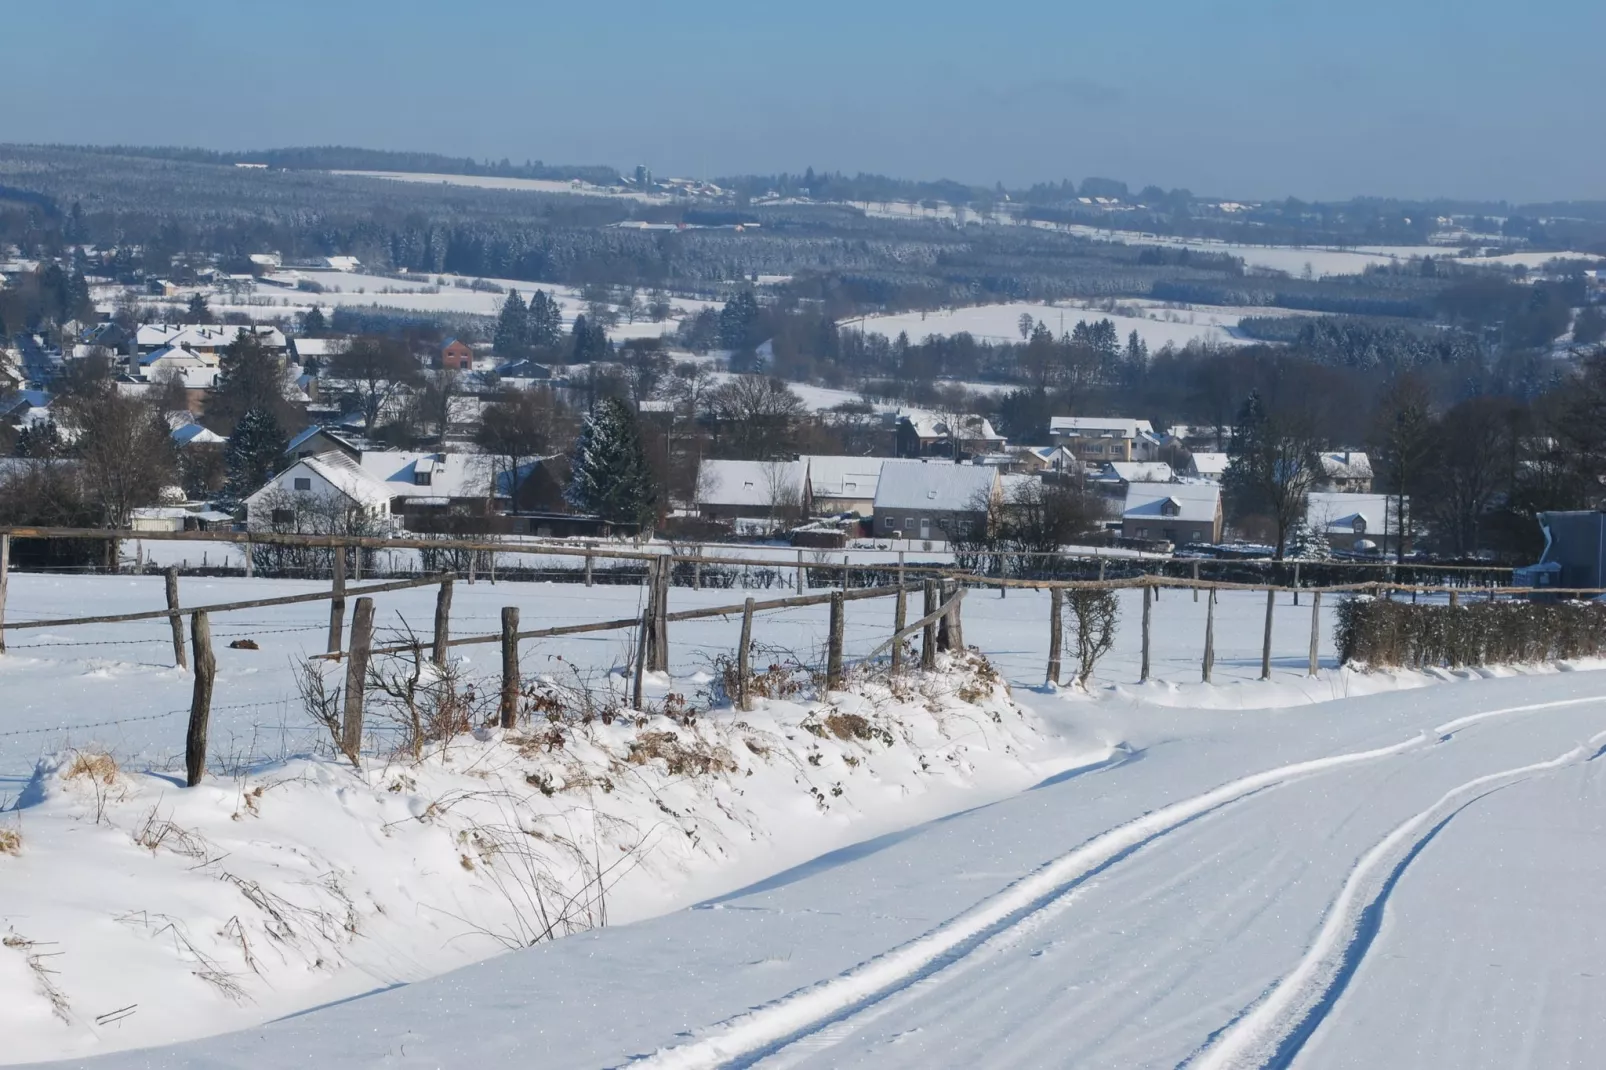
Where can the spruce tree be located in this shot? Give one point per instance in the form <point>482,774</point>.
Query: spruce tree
<point>253,453</point>
<point>511,329</point>
<point>545,321</point>
<point>611,477</point>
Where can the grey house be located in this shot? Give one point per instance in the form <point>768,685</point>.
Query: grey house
<point>932,500</point>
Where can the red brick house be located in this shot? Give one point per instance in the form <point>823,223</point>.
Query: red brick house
<point>456,355</point>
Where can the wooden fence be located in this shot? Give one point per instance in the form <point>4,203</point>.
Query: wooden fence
<point>940,626</point>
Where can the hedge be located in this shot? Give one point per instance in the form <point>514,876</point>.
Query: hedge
<point>1386,634</point>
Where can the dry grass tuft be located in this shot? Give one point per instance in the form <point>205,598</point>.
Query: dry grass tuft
<point>846,726</point>
<point>97,766</point>
<point>683,759</point>
<point>10,842</point>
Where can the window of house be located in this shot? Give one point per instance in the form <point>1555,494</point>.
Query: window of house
<point>284,516</point>
<point>889,523</point>
<point>1360,525</point>
<point>908,523</point>
<point>303,483</point>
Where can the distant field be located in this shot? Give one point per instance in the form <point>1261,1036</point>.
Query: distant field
<point>1000,323</point>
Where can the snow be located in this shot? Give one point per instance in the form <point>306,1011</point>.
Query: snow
<point>424,293</point>
<point>527,185</point>
<point>1531,261</point>
<point>1000,323</point>
<point>1352,869</point>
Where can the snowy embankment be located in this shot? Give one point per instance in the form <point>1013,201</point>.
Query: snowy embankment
<point>138,912</point>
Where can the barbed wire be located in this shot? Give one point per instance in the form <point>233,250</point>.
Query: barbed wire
<point>130,720</point>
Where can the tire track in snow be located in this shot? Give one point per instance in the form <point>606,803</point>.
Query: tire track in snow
<point>759,1032</point>
<point>1270,1035</point>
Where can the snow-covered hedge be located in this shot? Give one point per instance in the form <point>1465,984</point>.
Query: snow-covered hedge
<point>1388,634</point>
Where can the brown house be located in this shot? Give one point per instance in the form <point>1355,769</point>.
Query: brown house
<point>457,355</point>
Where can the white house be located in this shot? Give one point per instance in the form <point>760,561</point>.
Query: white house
<point>1211,466</point>
<point>842,484</point>
<point>334,481</point>
<point>1115,476</point>
<point>1178,513</point>
<point>207,339</point>
<point>1359,522</point>
<point>1346,471</point>
<point>1097,439</point>
<point>932,500</point>
<point>730,489</point>
<point>385,483</point>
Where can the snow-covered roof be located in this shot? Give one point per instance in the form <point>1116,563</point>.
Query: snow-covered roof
<point>1337,512</point>
<point>321,348</point>
<point>966,428</point>
<point>336,470</point>
<point>761,484</point>
<point>1346,464</point>
<point>196,435</point>
<point>407,474</point>
<point>1137,471</point>
<point>934,485</point>
<point>843,477</point>
<point>1188,502</point>
<point>1098,426</point>
<point>1210,464</point>
<point>202,336</point>
<point>175,357</point>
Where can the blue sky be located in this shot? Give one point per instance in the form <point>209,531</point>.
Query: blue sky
<point>1248,98</point>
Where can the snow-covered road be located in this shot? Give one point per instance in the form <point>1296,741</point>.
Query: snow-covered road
<point>1403,880</point>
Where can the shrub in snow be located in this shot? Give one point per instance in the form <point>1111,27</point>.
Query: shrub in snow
<point>1380,633</point>
<point>1090,618</point>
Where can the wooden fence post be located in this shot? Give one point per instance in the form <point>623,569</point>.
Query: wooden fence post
<point>473,558</point>
<point>1210,636</point>
<point>802,576</point>
<point>1454,602</point>
<point>510,666</point>
<point>1143,676</point>
<point>356,562</point>
<point>900,568</point>
<point>1101,569</point>
<point>833,652</point>
<point>900,618</point>
<point>697,571</point>
<point>956,623</point>
<point>248,564</point>
<point>945,638</point>
<point>588,570</point>
<point>337,604</point>
<point>1265,646</point>
<point>1003,588</point>
<point>443,622</point>
<point>660,633</point>
<point>1056,604</point>
<point>200,700</point>
<point>844,572</point>
<point>1315,629</point>
<point>177,620</point>
<point>362,641</point>
<point>641,657</point>
<point>5,576</point>
<point>1296,583</point>
<point>928,636</point>
<point>744,666</point>
<point>1196,581</point>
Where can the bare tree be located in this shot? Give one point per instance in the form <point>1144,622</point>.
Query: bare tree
<point>374,369</point>
<point>785,494</point>
<point>756,417</point>
<point>125,452</point>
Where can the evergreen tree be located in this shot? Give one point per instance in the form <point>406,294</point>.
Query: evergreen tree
<point>590,341</point>
<point>313,323</point>
<point>512,332</point>
<point>611,476</point>
<point>253,453</point>
<point>197,312</point>
<point>545,321</point>
<point>41,440</point>
<point>249,377</point>
<point>738,322</point>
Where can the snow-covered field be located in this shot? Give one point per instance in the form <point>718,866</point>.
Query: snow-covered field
<point>423,293</point>
<point>1157,326</point>
<point>528,185</point>
<point>1351,870</point>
